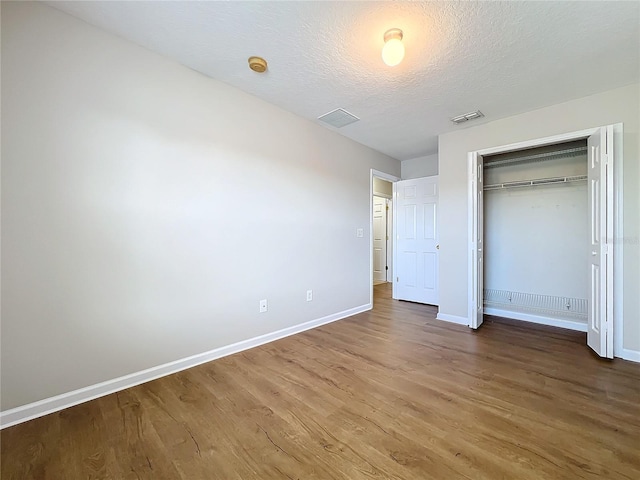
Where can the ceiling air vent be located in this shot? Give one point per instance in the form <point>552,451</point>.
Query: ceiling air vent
<point>338,118</point>
<point>467,117</point>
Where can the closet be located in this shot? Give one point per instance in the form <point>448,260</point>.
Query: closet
<point>554,215</point>
<point>536,235</point>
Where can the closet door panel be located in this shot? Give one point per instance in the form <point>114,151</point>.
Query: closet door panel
<point>476,223</point>
<point>600,302</point>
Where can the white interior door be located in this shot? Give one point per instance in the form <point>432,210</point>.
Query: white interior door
<point>476,233</point>
<point>379,239</point>
<point>416,227</point>
<point>600,301</point>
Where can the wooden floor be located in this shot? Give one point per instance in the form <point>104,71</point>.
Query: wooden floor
<point>388,394</point>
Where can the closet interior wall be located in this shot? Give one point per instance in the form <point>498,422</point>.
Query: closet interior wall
<point>536,235</point>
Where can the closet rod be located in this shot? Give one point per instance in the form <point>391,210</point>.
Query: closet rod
<point>538,181</point>
<point>538,157</point>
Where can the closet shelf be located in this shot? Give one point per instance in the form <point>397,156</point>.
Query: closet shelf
<point>538,157</point>
<point>538,181</point>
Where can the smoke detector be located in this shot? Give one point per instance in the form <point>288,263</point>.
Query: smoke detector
<point>467,116</point>
<point>257,64</point>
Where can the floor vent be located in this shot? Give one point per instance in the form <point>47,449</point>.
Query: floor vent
<point>338,118</point>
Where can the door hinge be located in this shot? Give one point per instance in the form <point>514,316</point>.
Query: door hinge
<point>386,268</point>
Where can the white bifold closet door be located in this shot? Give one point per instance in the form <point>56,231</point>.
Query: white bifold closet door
<point>476,253</point>
<point>416,249</point>
<point>600,179</point>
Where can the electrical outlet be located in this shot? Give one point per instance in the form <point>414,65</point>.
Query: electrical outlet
<point>309,295</point>
<point>360,233</point>
<point>263,306</point>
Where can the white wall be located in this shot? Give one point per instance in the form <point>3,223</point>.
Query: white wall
<point>419,167</point>
<point>619,105</point>
<point>146,209</point>
<point>535,240</point>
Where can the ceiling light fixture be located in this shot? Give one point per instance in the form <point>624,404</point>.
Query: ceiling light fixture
<point>393,50</point>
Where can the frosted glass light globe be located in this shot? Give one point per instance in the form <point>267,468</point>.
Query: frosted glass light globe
<point>393,52</point>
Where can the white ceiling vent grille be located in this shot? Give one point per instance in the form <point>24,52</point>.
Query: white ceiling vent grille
<point>467,116</point>
<point>338,118</point>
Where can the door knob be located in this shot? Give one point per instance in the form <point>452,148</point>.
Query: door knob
<point>438,247</point>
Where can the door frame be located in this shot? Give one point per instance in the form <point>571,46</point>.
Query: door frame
<point>389,178</point>
<point>390,242</point>
<point>618,228</point>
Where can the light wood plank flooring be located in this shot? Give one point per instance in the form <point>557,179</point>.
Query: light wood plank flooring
<point>388,394</point>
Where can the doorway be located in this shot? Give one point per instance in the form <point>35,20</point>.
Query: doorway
<point>602,261</point>
<point>381,238</point>
<point>381,209</point>
<point>535,235</point>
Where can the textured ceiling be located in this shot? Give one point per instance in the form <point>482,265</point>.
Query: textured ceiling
<point>502,58</point>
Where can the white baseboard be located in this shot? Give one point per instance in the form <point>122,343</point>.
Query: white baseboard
<point>453,319</point>
<point>525,317</point>
<point>75,397</point>
<point>631,355</point>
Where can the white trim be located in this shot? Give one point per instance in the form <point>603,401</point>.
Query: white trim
<point>610,228</point>
<point>618,235</point>
<point>452,319</point>
<point>539,319</point>
<point>393,179</point>
<point>394,237</point>
<point>384,176</point>
<point>539,142</point>
<point>618,265</point>
<point>75,397</point>
<point>390,240</point>
<point>631,355</point>
<point>383,195</point>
